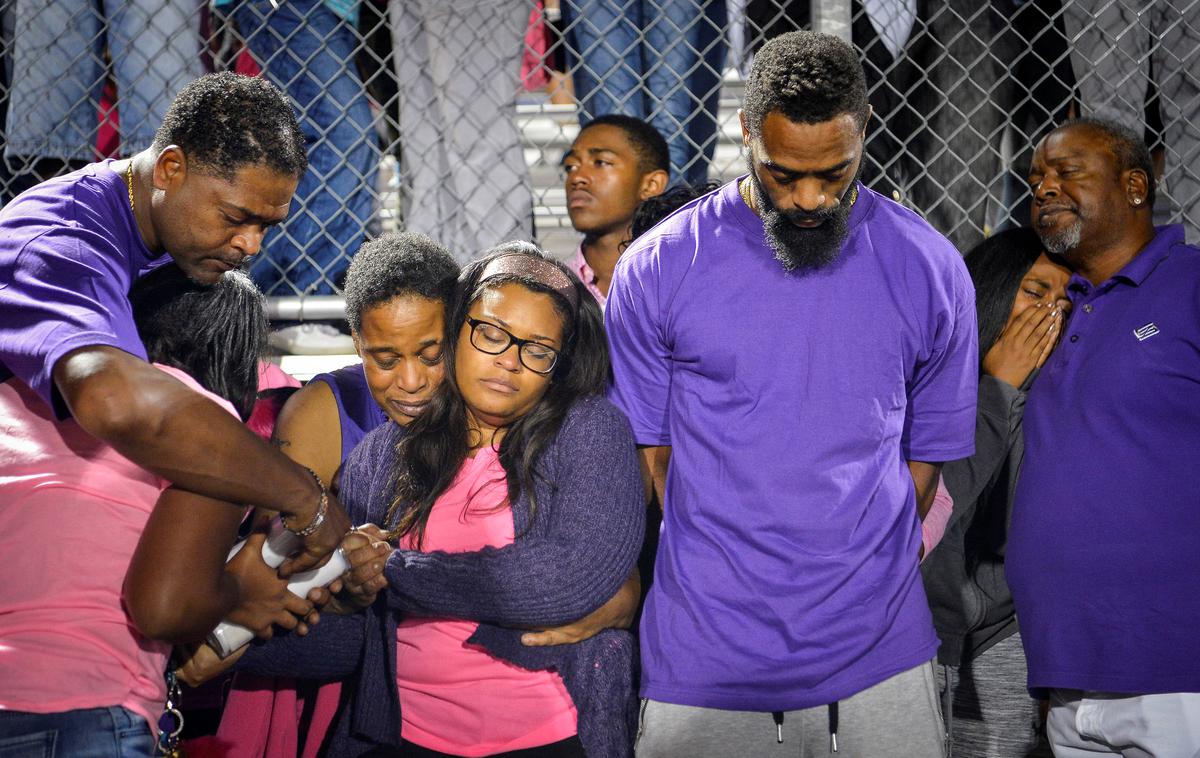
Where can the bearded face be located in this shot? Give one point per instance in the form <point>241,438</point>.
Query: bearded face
<point>803,240</point>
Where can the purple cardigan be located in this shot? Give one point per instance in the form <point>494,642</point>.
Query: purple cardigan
<point>574,556</point>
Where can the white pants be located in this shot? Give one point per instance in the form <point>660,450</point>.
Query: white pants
<point>1085,724</point>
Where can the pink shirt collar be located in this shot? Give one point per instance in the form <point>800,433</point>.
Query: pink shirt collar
<point>579,266</point>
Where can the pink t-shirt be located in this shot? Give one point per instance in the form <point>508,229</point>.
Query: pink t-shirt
<point>71,512</point>
<point>933,526</point>
<point>456,698</point>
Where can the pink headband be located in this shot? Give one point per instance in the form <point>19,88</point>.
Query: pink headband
<point>540,270</point>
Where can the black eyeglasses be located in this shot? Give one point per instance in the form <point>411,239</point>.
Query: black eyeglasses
<point>488,338</point>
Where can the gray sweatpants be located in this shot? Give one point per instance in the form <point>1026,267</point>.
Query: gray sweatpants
<point>991,713</point>
<point>897,718</point>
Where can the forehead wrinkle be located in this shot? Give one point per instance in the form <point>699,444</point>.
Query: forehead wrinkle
<point>251,215</point>
<point>390,348</point>
<point>811,172</point>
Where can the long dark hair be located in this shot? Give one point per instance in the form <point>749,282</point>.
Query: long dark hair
<point>216,334</point>
<point>997,265</point>
<point>436,444</point>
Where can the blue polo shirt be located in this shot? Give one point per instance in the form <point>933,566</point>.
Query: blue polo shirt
<point>1104,551</point>
<point>787,568</point>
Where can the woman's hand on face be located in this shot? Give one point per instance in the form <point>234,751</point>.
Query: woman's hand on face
<point>1025,343</point>
<point>201,663</point>
<point>367,551</point>
<point>265,601</point>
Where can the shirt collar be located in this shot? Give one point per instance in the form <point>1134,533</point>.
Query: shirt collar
<point>1136,271</point>
<point>146,260</point>
<point>579,267</point>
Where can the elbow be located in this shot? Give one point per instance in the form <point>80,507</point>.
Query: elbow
<point>156,620</point>
<point>111,402</point>
<point>166,616</point>
<point>116,415</point>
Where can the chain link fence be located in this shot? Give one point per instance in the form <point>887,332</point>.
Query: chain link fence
<point>450,117</point>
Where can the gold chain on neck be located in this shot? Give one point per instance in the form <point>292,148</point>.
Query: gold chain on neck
<point>129,179</point>
<point>744,189</point>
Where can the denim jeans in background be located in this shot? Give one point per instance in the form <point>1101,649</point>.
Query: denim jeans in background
<point>658,60</point>
<point>308,51</point>
<point>58,70</point>
<point>112,732</point>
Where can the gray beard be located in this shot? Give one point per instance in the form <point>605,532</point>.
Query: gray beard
<point>1063,240</point>
<point>798,248</point>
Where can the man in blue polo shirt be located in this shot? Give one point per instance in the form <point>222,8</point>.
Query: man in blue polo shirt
<point>807,350</point>
<point>1103,558</point>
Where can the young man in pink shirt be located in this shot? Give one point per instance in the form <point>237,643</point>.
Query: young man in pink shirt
<point>614,164</point>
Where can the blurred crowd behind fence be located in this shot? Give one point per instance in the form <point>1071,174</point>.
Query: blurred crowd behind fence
<point>450,117</point>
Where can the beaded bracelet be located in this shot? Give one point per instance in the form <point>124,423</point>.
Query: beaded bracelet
<point>322,507</point>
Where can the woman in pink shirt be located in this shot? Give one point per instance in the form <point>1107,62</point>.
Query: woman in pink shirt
<point>516,503</point>
<point>81,666</point>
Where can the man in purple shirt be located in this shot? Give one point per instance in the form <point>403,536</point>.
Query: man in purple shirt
<point>221,171</point>
<point>1102,557</point>
<point>807,350</point>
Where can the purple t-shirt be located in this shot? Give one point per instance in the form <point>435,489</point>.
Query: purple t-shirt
<point>787,569</point>
<point>1104,549</point>
<point>358,413</point>
<point>69,251</point>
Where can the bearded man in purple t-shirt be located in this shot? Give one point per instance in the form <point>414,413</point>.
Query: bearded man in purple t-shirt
<point>221,171</point>
<point>805,349</point>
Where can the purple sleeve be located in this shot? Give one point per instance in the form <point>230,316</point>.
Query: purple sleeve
<point>584,542</point>
<point>62,291</point>
<point>940,422</point>
<point>640,357</point>
<point>332,649</point>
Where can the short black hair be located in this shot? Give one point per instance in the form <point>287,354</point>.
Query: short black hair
<point>1126,145</point>
<point>214,333</point>
<point>650,146</point>
<point>226,121</point>
<point>396,264</point>
<point>654,209</point>
<point>808,78</point>
<point>996,266</point>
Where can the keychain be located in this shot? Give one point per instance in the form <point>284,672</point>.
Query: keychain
<point>170,724</point>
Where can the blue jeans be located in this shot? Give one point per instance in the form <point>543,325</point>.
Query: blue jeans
<point>658,60</point>
<point>112,732</point>
<point>308,51</point>
<point>58,70</point>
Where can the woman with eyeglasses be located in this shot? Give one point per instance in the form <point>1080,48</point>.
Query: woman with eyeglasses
<point>515,501</point>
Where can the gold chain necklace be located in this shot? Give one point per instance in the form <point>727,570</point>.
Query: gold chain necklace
<point>744,190</point>
<point>129,179</point>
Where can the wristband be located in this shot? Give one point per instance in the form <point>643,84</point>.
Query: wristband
<point>322,507</point>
